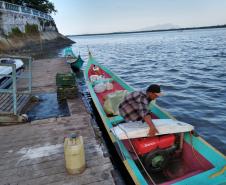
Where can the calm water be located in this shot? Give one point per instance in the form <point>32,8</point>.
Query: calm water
<point>189,65</point>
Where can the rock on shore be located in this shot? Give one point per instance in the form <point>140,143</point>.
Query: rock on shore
<point>33,43</point>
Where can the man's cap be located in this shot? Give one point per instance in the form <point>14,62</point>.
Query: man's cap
<point>154,88</point>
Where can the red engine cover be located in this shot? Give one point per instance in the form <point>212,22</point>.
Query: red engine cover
<point>166,141</point>
<point>145,145</point>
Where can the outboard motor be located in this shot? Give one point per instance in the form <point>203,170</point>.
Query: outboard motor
<point>155,151</point>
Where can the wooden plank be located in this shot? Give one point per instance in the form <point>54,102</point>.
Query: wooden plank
<point>25,140</point>
<point>8,165</point>
<point>6,149</point>
<point>57,162</point>
<point>58,173</point>
<point>46,125</point>
<point>20,158</point>
<point>103,182</point>
<point>139,129</point>
<point>19,154</point>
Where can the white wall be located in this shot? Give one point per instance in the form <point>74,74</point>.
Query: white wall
<point>11,20</point>
<point>12,16</point>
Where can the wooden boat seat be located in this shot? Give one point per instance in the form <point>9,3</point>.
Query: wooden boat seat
<point>139,129</point>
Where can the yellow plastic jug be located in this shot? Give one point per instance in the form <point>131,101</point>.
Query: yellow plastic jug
<point>74,154</point>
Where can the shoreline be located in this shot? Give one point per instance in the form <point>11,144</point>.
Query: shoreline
<point>147,31</point>
<point>34,44</point>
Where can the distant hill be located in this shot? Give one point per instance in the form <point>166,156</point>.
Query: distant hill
<point>149,29</point>
<point>160,27</point>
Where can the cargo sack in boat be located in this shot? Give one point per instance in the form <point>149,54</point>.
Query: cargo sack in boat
<point>99,88</point>
<point>102,84</point>
<point>109,86</point>
<point>95,79</point>
<point>112,102</point>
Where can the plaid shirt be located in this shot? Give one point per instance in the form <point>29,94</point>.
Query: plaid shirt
<point>134,106</point>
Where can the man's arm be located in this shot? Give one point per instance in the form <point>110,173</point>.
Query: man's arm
<point>152,130</point>
<point>145,114</point>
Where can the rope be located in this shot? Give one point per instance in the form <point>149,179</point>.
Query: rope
<point>137,156</point>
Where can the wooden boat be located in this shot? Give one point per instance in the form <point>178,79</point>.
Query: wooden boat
<point>7,70</point>
<point>74,61</point>
<point>192,161</point>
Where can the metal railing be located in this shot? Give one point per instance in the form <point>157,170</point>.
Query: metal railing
<point>1,4</point>
<point>14,77</point>
<point>24,10</point>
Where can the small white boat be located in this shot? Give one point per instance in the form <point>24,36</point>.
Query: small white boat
<point>7,70</point>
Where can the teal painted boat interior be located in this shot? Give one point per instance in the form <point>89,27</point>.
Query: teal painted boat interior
<point>69,52</point>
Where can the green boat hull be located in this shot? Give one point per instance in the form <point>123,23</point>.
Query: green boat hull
<point>214,175</point>
<point>76,62</point>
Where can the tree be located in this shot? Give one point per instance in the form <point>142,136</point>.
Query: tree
<point>41,5</point>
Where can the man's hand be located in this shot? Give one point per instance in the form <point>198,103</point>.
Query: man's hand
<point>152,130</point>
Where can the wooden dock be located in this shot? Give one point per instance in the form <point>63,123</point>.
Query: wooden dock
<point>32,153</point>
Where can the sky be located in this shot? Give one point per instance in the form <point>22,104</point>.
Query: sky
<point>75,17</point>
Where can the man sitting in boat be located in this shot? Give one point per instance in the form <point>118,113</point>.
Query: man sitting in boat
<point>135,106</point>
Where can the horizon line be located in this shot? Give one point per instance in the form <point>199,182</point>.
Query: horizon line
<point>158,30</point>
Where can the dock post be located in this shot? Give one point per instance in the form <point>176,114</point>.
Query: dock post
<point>30,75</point>
<point>14,89</point>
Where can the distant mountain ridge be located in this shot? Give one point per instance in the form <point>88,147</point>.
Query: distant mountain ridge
<point>160,27</point>
<point>156,30</point>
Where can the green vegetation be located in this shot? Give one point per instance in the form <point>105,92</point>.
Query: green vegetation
<point>15,32</point>
<point>42,5</point>
<point>31,29</point>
